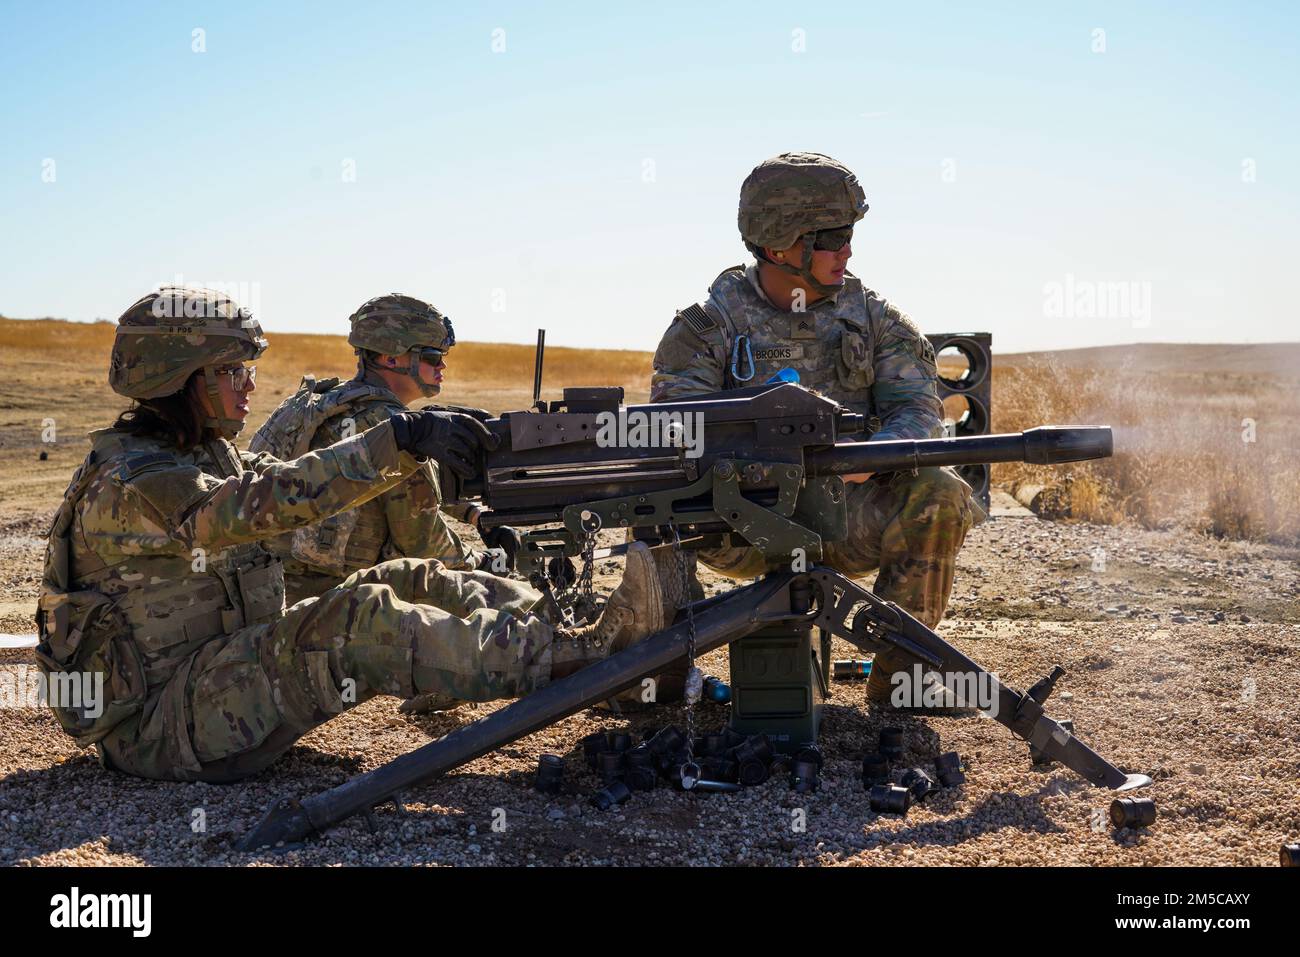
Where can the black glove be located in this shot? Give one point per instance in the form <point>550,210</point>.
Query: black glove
<point>449,438</point>
<point>509,540</point>
<point>481,414</point>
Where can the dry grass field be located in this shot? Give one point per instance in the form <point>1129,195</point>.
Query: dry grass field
<point>55,373</point>
<point>1212,451</point>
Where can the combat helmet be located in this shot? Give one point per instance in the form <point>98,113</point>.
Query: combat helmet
<point>395,325</point>
<point>790,195</point>
<point>175,331</point>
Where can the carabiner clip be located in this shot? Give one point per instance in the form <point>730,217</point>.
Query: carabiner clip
<point>735,359</point>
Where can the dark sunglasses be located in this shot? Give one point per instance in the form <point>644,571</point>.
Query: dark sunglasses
<point>832,240</point>
<point>429,354</point>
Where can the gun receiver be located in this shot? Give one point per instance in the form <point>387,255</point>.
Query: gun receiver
<point>760,465</point>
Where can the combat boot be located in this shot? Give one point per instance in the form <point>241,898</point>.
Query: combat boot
<point>635,610</point>
<point>679,584</point>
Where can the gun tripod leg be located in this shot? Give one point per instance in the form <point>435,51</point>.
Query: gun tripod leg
<point>718,621</point>
<point>838,605</point>
<point>857,615</point>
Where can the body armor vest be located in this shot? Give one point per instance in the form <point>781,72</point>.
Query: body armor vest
<point>350,540</point>
<point>829,344</point>
<point>137,608</point>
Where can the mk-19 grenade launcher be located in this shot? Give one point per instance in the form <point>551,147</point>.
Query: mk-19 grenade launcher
<point>759,466</point>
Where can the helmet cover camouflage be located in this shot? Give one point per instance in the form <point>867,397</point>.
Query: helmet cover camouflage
<point>170,334</point>
<point>795,193</point>
<point>394,324</point>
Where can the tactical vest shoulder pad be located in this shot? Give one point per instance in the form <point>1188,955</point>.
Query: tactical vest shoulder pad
<point>289,432</point>
<point>279,432</point>
<point>135,463</point>
<point>728,273</point>
<point>356,392</point>
<point>882,311</point>
<point>355,399</point>
<point>722,290</point>
<point>868,307</point>
<point>876,303</point>
<point>172,489</point>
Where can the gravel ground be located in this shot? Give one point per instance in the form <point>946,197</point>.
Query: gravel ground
<point>1181,655</point>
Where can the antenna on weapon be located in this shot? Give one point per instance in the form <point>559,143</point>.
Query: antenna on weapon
<point>537,371</point>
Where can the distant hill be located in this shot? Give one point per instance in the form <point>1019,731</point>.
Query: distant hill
<point>1260,358</point>
<point>1280,359</point>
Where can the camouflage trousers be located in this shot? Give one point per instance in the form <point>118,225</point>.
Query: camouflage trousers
<point>404,627</point>
<point>300,583</point>
<point>909,526</point>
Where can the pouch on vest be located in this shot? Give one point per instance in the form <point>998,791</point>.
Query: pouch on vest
<point>261,589</point>
<point>323,546</point>
<point>93,672</point>
<point>854,364</point>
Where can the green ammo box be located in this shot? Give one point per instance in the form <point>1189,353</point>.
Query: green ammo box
<point>779,679</point>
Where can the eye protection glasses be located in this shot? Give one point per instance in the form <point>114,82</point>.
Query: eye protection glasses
<point>832,240</point>
<point>429,354</point>
<point>241,377</point>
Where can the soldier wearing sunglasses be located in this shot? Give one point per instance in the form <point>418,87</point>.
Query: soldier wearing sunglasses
<point>401,344</point>
<point>796,306</point>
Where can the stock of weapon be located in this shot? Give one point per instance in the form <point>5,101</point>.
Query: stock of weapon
<point>759,466</point>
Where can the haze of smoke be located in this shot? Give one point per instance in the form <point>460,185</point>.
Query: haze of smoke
<point>1214,451</point>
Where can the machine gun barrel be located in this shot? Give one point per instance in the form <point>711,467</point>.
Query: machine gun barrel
<point>1045,445</point>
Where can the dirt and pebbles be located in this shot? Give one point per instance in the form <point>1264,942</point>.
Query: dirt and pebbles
<point>1181,655</point>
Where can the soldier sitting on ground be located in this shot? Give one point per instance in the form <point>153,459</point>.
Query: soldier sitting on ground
<point>401,345</point>
<point>156,581</point>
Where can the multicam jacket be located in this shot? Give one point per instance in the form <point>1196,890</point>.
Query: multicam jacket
<point>404,522</point>
<point>853,347</point>
<point>156,551</point>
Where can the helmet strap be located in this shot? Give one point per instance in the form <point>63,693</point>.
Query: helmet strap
<point>427,389</point>
<point>369,369</point>
<point>804,271</point>
<point>226,428</point>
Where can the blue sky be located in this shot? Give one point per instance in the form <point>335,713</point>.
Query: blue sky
<point>583,174</point>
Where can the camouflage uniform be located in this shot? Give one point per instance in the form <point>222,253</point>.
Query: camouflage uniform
<point>851,345</point>
<point>155,578</point>
<point>232,681</point>
<point>404,522</point>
